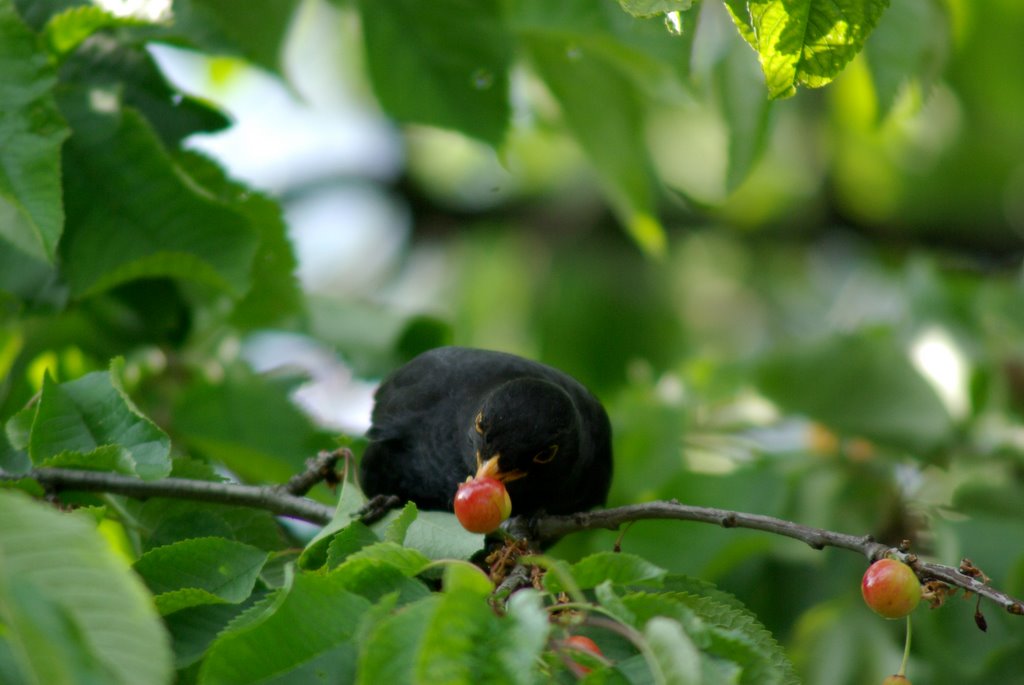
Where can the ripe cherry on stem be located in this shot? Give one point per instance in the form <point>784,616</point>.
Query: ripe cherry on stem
<point>890,588</point>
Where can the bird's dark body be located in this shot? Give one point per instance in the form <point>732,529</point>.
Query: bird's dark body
<point>422,435</point>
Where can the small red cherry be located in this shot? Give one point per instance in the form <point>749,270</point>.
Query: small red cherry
<point>583,644</point>
<point>896,680</point>
<point>481,504</point>
<point>890,588</point>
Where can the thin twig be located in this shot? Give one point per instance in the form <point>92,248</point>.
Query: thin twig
<point>320,468</point>
<point>271,498</point>
<point>545,529</point>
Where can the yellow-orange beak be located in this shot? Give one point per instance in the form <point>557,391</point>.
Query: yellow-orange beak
<point>489,469</point>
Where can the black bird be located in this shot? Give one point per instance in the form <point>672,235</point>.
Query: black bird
<point>455,412</point>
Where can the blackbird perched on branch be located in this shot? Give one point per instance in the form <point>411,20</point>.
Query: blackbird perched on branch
<point>456,412</point>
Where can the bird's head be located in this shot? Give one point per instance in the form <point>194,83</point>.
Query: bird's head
<point>526,433</point>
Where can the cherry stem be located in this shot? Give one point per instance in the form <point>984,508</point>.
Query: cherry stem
<point>906,651</point>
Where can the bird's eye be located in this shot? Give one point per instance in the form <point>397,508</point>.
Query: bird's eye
<point>545,456</point>
<point>478,423</point>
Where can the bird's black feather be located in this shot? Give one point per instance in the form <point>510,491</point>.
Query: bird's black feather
<point>424,438</point>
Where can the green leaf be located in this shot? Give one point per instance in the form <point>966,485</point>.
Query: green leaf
<point>409,561</point>
<point>443,63</point>
<point>399,527</point>
<point>389,653</point>
<point>255,29</point>
<point>911,45</point>
<point>525,636</point>
<point>674,653</point>
<point>128,78</point>
<point>167,521</point>
<point>306,638</point>
<point>620,569</point>
<point>726,628</point>
<point>439,535</point>
<point>349,540</point>
<point>75,585</point>
<point>275,298</point>
<point>200,571</point>
<point>650,8</point>
<point>31,134</point>
<point>350,501</point>
<point>247,422</point>
<point>376,578</point>
<point>645,52</point>
<point>194,629</point>
<point>804,42</point>
<point>126,191</point>
<point>44,639</point>
<point>745,110</point>
<point>861,385</point>
<point>92,412</point>
<point>457,645</point>
<point>66,31</point>
<point>602,110</point>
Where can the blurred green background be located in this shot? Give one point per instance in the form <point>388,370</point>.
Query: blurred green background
<point>833,333</point>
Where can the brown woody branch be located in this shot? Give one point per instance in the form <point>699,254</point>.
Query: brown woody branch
<point>274,499</point>
<point>545,529</point>
<point>285,500</point>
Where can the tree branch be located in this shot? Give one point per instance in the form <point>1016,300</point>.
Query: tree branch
<point>271,498</point>
<point>321,468</point>
<point>282,500</point>
<point>546,529</point>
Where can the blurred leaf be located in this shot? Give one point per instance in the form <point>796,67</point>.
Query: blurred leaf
<point>650,8</point>
<point>247,422</point>
<point>275,298</point>
<point>94,412</point>
<point>66,31</point>
<point>307,638</point>
<point>255,30</point>
<point>463,633</point>
<point>675,654</point>
<point>75,585</point>
<point>206,570</point>
<point>187,236</point>
<point>645,52</point>
<point>126,71</point>
<point>751,645</point>
<point>443,64</point>
<point>45,644</point>
<point>389,653</point>
<point>910,46</point>
<point>602,109</point>
<point>127,191</point>
<point>526,636</point>
<point>860,385</point>
<point>804,42</point>
<point>31,134</point>
<point>746,112</point>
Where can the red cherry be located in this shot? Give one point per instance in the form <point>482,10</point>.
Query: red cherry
<point>896,680</point>
<point>481,504</point>
<point>583,644</point>
<point>890,588</point>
